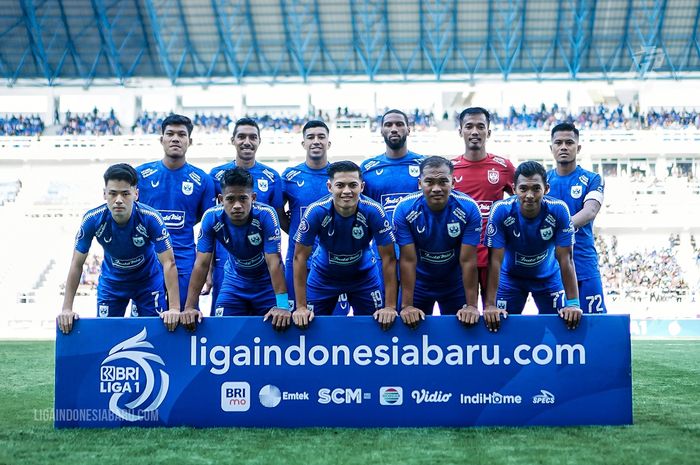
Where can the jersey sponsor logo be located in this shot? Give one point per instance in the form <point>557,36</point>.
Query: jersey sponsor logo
<point>250,262</point>
<point>379,172</point>
<point>361,219</point>
<point>107,240</point>
<point>128,263</point>
<point>300,183</point>
<point>217,226</point>
<point>155,184</point>
<point>584,179</point>
<point>263,186</point>
<point>291,174</point>
<point>458,179</point>
<point>576,191</point>
<point>500,161</point>
<point>547,233</point>
<point>326,220</point>
<point>255,239</point>
<point>413,216</point>
<point>174,219</point>
<point>491,230</point>
<point>551,220</point>
<point>414,170</point>
<point>331,232</point>
<point>148,172</point>
<point>187,187</point>
<point>138,241</point>
<point>163,234</point>
<point>386,228</point>
<point>420,230</point>
<point>530,260</point>
<point>270,175</point>
<point>196,178</point>
<point>101,230</point>
<point>453,229</point>
<point>516,233</point>
<point>436,257</point>
<point>358,232</point>
<point>343,260</point>
<point>255,223</point>
<point>390,201</point>
<point>371,164</point>
<point>219,174</point>
<point>493,176</point>
<point>141,229</point>
<point>484,207</point>
<point>545,397</point>
<point>460,214</point>
<point>508,221</point>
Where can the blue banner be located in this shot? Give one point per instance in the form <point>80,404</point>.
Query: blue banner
<point>238,371</point>
<point>666,328</point>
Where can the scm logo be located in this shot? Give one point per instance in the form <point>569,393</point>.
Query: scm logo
<point>235,396</point>
<point>342,396</point>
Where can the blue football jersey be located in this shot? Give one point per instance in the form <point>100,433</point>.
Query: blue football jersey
<point>129,250</point>
<point>343,249</point>
<point>181,197</point>
<point>437,236</point>
<point>302,186</point>
<point>388,180</point>
<point>529,243</point>
<point>267,183</point>
<point>246,244</point>
<point>575,189</point>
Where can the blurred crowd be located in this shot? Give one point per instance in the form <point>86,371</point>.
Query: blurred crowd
<point>30,125</point>
<point>90,124</point>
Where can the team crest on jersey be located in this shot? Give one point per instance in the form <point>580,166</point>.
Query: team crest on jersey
<point>255,239</point>
<point>502,304</point>
<point>187,187</point>
<point>138,241</point>
<point>263,185</point>
<point>103,310</point>
<point>453,229</point>
<point>493,176</point>
<point>357,232</point>
<point>546,233</point>
<point>576,191</point>
<point>491,230</point>
<point>414,170</point>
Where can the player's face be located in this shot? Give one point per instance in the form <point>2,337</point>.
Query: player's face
<point>175,140</point>
<point>395,131</point>
<point>246,140</point>
<point>436,183</point>
<point>238,201</point>
<point>346,188</point>
<point>475,131</point>
<point>120,197</point>
<point>316,144</point>
<point>565,147</point>
<point>530,191</point>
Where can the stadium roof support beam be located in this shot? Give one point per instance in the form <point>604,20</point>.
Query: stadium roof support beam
<point>693,42</point>
<point>511,41</point>
<point>36,43</point>
<point>229,50</point>
<point>105,31</point>
<point>369,20</point>
<point>296,41</point>
<point>436,42</point>
<point>70,47</point>
<point>158,37</point>
<point>322,41</point>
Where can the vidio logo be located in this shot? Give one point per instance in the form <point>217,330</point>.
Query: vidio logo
<point>127,371</point>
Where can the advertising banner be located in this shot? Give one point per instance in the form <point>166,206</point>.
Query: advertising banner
<point>344,372</point>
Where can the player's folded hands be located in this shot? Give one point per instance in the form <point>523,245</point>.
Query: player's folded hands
<point>385,317</point>
<point>492,317</point>
<point>302,316</point>
<point>65,320</point>
<point>468,315</point>
<point>571,316</point>
<point>412,316</point>
<point>281,318</point>
<point>190,317</point>
<point>170,318</point>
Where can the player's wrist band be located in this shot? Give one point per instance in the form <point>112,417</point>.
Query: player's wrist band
<point>573,303</point>
<point>282,300</point>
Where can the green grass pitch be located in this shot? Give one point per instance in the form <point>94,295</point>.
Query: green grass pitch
<point>666,377</point>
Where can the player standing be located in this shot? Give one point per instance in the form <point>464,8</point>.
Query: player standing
<point>133,237</point>
<point>180,192</point>
<point>582,191</point>
<point>483,176</point>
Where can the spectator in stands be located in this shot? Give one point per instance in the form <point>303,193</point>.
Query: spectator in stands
<point>91,124</point>
<point>21,125</point>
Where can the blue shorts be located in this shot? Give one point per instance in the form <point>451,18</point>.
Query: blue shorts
<point>342,307</point>
<point>590,293</point>
<point>365,294</point>
<point>148,298</point>
<point>548,294</point>
<point>217,277</point>
<point>241,296</point>
<point>450,298</point>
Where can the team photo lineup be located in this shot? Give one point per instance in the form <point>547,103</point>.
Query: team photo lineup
<point>397,236</point>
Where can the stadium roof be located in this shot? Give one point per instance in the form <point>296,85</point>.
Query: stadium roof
<point>222,41</point>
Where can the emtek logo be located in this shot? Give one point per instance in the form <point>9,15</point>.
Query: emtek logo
<point>545,397</point>
<point>270,396</point>
<point>390,395</point>
<point>342,396</point>
<point>235,396</point>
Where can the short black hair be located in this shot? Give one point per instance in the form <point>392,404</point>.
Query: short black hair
<point>398,112</point>
<point>561,127</point>
<point>178,120</point>
<point>315,123</point>
<point>529,169</point>
<point>121,172</point>
<point>475,111</point>
<point>436,162</point>
<point>246,122</point>
<point>344,166</point>
<point>236,177</point>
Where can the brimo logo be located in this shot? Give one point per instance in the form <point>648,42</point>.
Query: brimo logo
<point>134,375</point>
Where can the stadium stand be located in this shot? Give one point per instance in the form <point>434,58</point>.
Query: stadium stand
<point>91,124</point>
<point>22,125</point>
